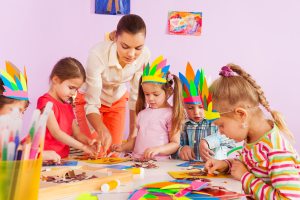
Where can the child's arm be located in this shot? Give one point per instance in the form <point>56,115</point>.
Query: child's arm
<point>216,139</point>
<point>81,137</point>
<point>284,174</point>
<point>166,149</point>
<point>61,136</point>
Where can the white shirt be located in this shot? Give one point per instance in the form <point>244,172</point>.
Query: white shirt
<point>106,79</point>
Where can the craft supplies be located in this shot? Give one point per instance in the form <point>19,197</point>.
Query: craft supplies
<point>106,187</point>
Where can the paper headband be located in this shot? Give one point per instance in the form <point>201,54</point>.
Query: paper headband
<point>14,82</point>
<point>195,91</point>
<point>157,72</point>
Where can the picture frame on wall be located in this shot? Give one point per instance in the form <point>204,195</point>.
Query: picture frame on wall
<point>112,7</point>
<point>184,23</point>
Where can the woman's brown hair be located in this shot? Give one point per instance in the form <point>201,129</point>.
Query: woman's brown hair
<point>230,91</point>
<point>177,109</point>
<point>132,24</point>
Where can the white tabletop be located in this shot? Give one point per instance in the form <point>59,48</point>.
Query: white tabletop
<point>156,175</point>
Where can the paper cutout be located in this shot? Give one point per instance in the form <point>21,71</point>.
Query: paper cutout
<point>118,167</point>
<point>190,85</point>
<point>14,82</point>
<point>195,91</point>
<point>195,185</point>
<point>184,23</point>
<point>156,73</point>
<point>194,174</point>
<point>194,164</point>
<point>195,190</point>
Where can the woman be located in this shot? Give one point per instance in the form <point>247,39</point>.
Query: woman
<point>110,65</point>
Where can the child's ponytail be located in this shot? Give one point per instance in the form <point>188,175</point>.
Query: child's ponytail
<point>178,109</point>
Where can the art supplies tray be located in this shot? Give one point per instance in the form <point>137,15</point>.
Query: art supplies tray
<point>59,183</point>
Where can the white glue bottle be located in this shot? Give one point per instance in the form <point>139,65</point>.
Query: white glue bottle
<point>106,187</point>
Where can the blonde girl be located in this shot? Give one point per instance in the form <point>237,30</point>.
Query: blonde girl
<point>158,123</point>
<point>269,167</point>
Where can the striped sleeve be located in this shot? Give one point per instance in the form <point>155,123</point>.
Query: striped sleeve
<point>284,177</point>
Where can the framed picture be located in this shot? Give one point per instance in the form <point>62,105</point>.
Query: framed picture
<point>112,7</point>
<point>184,23</point>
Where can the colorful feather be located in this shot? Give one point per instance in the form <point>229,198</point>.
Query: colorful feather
<point>190,85</point>
<point>14,82</point>
<point>157,72</point>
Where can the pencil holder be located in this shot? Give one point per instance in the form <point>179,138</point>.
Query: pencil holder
<point>19,179</point>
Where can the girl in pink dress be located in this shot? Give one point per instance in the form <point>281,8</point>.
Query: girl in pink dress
<point>158,123</point>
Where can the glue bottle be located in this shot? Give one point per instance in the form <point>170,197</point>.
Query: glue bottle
<point>105,187</point>
<point>136,170</point>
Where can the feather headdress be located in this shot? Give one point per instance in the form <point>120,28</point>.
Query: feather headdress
<point>157,72</point>
<point>14,82</point>
<point>195,91</point>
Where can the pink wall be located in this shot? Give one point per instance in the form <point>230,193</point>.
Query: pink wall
<point>262,36</point>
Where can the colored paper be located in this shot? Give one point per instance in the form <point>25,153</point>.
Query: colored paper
<point>193,174</point>
<point>195,164</point>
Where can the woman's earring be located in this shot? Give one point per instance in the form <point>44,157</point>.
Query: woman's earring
<point>244,125</point>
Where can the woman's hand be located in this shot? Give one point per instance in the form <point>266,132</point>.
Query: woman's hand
<point>238,169</point>
<point>187,153</point>
<point>104,139</point>
<point>150,153</point>
<point>116,147</point>
<point>51,155</point>
<point>213,165</point>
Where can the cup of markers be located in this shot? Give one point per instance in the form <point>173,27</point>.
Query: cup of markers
<point>21,159</point>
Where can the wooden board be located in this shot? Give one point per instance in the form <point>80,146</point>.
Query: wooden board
<point>51,191</point>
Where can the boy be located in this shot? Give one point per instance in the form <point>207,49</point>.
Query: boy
<point>199,139</point>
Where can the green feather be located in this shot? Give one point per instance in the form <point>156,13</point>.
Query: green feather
<point>193,88</point>
<point>153,70</point>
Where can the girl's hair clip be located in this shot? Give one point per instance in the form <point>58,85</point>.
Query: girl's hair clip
<point>170,77</point>
<point>226,72</point>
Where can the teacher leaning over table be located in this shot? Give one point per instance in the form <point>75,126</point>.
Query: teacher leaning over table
<point>100,105</point>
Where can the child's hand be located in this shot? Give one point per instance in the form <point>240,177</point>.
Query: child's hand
<point>213,165</point>
<point>205,152</point>
<point>150,153</point>
<point>116,147</point>
<point>238,169</point>
<point>51,155</point>
<point>187,153</point>
<point>89,150</point>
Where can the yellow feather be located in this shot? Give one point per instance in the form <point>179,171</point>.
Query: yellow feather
<point>8,77</point>
<point>23,82</point>
<point>158,72</point>
<point>156,61</point>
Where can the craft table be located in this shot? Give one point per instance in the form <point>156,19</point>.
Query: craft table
<point>154,175</point>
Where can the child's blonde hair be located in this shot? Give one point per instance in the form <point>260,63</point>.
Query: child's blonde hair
<point>231,91</point>
<point>177,109</point>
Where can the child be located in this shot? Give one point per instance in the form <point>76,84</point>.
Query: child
<point>269,167</point>
<point>13,94</point>
<point>199,139</point>
<point>66,77</point>
<point>158,123</point>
